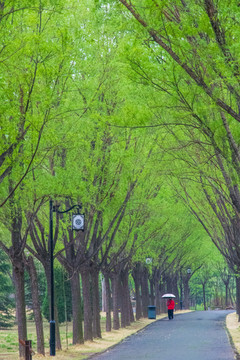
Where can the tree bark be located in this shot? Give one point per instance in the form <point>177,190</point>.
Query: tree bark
<point>122,302</point>
<point>226,295</point>
<point>104,299</point>
<point>131,310</point>
<point>76,309</point>
<point>186,293</point>
<point>15,252</point>
<point>136,278</point>
<point>125,310</point>
<point>115,287</point>
<point>96,305</point>
<point>152,293</point>
<point>108,303</point>
<point>226,282</point>
<point>163,308</point>
<point>130,316</point>
<point>181,292</point>
<point>157,296</point>
<point>176,292</point>
<point>169,283</point>
<point>237,279</point>
<point>18,277</point>
<point>36,305</point>
<point>204,296</point>
<point>87,304</point>
<point>145,292</point>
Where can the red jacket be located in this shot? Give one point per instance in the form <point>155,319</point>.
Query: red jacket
<point>170,304</point>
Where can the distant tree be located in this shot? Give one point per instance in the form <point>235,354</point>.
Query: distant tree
<point>7,302</point>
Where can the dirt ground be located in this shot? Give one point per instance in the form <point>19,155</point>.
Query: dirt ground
<point>233,327</point>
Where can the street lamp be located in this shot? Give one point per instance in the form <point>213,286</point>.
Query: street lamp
<point>148,260</point>
<point>77,224</point>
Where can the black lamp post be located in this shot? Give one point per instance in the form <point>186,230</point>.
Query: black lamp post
<point>52,321</point>
<point>77,224</point>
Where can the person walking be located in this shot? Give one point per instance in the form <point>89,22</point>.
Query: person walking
<point>171,306</point>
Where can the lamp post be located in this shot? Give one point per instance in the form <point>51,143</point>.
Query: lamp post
<point>52,321</point>
<point>77,224</point>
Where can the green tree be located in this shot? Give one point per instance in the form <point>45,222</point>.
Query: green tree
<point>198,78</point>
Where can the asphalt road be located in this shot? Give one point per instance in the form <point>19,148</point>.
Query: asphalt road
<point>197,335</point>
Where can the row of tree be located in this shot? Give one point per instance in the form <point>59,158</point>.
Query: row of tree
<point>136,118</point>
<point>194,69</point>
<point>209,286</point>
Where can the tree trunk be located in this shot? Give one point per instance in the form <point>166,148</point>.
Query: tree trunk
<point>76,309</point>
<point>108,303</point>
<point>96,305</point>
<point>157,296</point>
<point>57,331</point>
<point>122,302</point>
<point>88,333</point>
<point>131,315</point>
<point>181,292</point>
<point>204,297</point>
<point>152,297</point>
<point>115,287</point>
<point>36,305</point>
<point>125,310</point>
<point>176,293</point>
<point>169,283</point>
<point>18,276</point>
<point>163,307</point>
<point>145,292</point>
<point>237,279</point>
<point>104,295</point>
<point>136,278</point>
<point>186,294</point>
<point>226,295</point>
<point>16,255</point>
<point>232,302</point>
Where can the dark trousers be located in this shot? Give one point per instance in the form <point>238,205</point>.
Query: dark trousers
<point>170,314</point>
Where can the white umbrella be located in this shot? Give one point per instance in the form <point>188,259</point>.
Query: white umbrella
<point>168,296</point>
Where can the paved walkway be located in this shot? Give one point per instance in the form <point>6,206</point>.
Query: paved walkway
<point>197,335</point>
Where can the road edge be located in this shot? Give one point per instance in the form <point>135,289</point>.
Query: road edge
<point>230,337</point>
